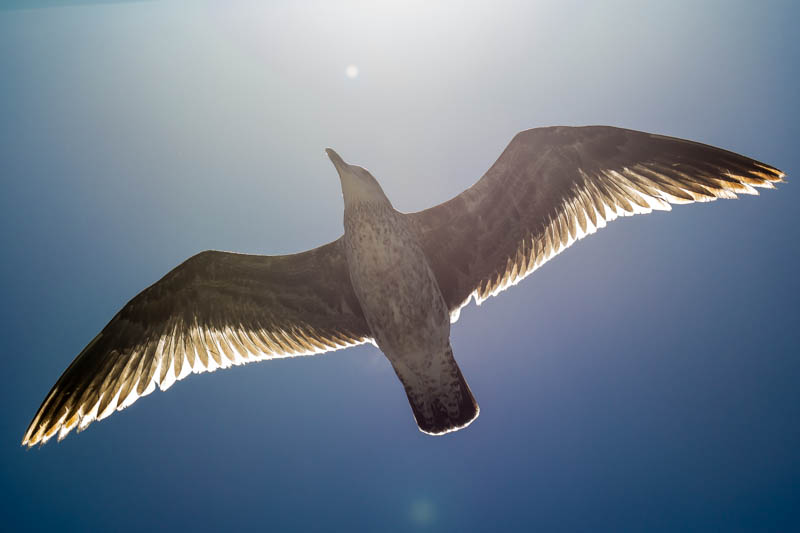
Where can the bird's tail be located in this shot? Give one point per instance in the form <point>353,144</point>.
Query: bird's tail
<point>439,396</point>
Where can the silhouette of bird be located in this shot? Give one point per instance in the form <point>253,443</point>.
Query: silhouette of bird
<point>395,279</point>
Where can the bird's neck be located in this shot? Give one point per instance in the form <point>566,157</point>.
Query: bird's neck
<point>368,212</point>
<point>357,196</point>
<point>359,190</point>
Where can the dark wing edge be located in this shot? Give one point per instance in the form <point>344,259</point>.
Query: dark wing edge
<point>553,186</point>
<point>215,310</point>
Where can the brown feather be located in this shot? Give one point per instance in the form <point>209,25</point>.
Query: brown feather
<point>214,302</point>
<point>550,182</point>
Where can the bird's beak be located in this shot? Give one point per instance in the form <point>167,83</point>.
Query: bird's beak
<point>337,161</point>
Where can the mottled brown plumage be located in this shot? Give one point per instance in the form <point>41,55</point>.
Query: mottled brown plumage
<point>393,278</point>
<point>553,186</point>
<point>406,313</point>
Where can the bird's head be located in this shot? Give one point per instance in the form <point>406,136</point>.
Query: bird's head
<point>358,185</point>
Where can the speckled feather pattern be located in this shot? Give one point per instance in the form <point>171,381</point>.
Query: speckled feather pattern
<point>407,314</point>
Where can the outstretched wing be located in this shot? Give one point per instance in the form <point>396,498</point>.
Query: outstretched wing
<point>553,186</point>
<point>215,310</point>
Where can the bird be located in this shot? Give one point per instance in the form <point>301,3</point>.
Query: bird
<point>398,280</point>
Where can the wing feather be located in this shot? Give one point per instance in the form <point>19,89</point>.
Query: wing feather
<point>215,310</point>
<point>553,186</point>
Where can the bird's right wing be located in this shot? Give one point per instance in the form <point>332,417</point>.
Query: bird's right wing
<point>553,186</point>
<point>215,310</point>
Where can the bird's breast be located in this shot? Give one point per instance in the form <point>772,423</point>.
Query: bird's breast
<point>396,287</point>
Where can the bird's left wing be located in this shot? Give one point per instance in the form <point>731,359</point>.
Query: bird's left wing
<point>215,310</point>
<point>553,186</point>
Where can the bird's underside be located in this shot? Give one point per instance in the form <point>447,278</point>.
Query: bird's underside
<point>549,188</point>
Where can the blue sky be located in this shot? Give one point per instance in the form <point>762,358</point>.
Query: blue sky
<point>645,379</point>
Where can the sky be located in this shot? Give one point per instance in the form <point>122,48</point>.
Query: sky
<point>643,380</point>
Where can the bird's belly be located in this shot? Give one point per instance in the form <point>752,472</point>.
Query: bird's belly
<point>406,313</point>
<point>399,296</point>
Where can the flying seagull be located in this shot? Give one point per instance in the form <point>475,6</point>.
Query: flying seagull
<point>394,279</point>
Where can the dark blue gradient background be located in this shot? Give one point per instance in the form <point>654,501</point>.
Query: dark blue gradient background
<point>646,379</point>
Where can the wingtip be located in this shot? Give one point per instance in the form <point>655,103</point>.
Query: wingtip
<point>29,440</point>
<point>774,175</point>
<point>454,428</point>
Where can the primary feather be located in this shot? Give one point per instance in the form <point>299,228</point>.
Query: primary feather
<point>215,310</point>
<point>553,186</point>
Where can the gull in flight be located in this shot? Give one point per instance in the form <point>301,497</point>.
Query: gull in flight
<point>395,279</point>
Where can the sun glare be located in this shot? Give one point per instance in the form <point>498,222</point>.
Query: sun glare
<point>351,71</point>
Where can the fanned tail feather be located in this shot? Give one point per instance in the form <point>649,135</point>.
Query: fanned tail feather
<point>439,396</point>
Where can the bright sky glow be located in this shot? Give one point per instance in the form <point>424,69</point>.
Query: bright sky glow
<point>351,71</point>
<point>422,512</point>
<point>614,395</point>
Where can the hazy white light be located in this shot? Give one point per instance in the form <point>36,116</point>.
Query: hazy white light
<point>351,71</point>
<point>422,512</point>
